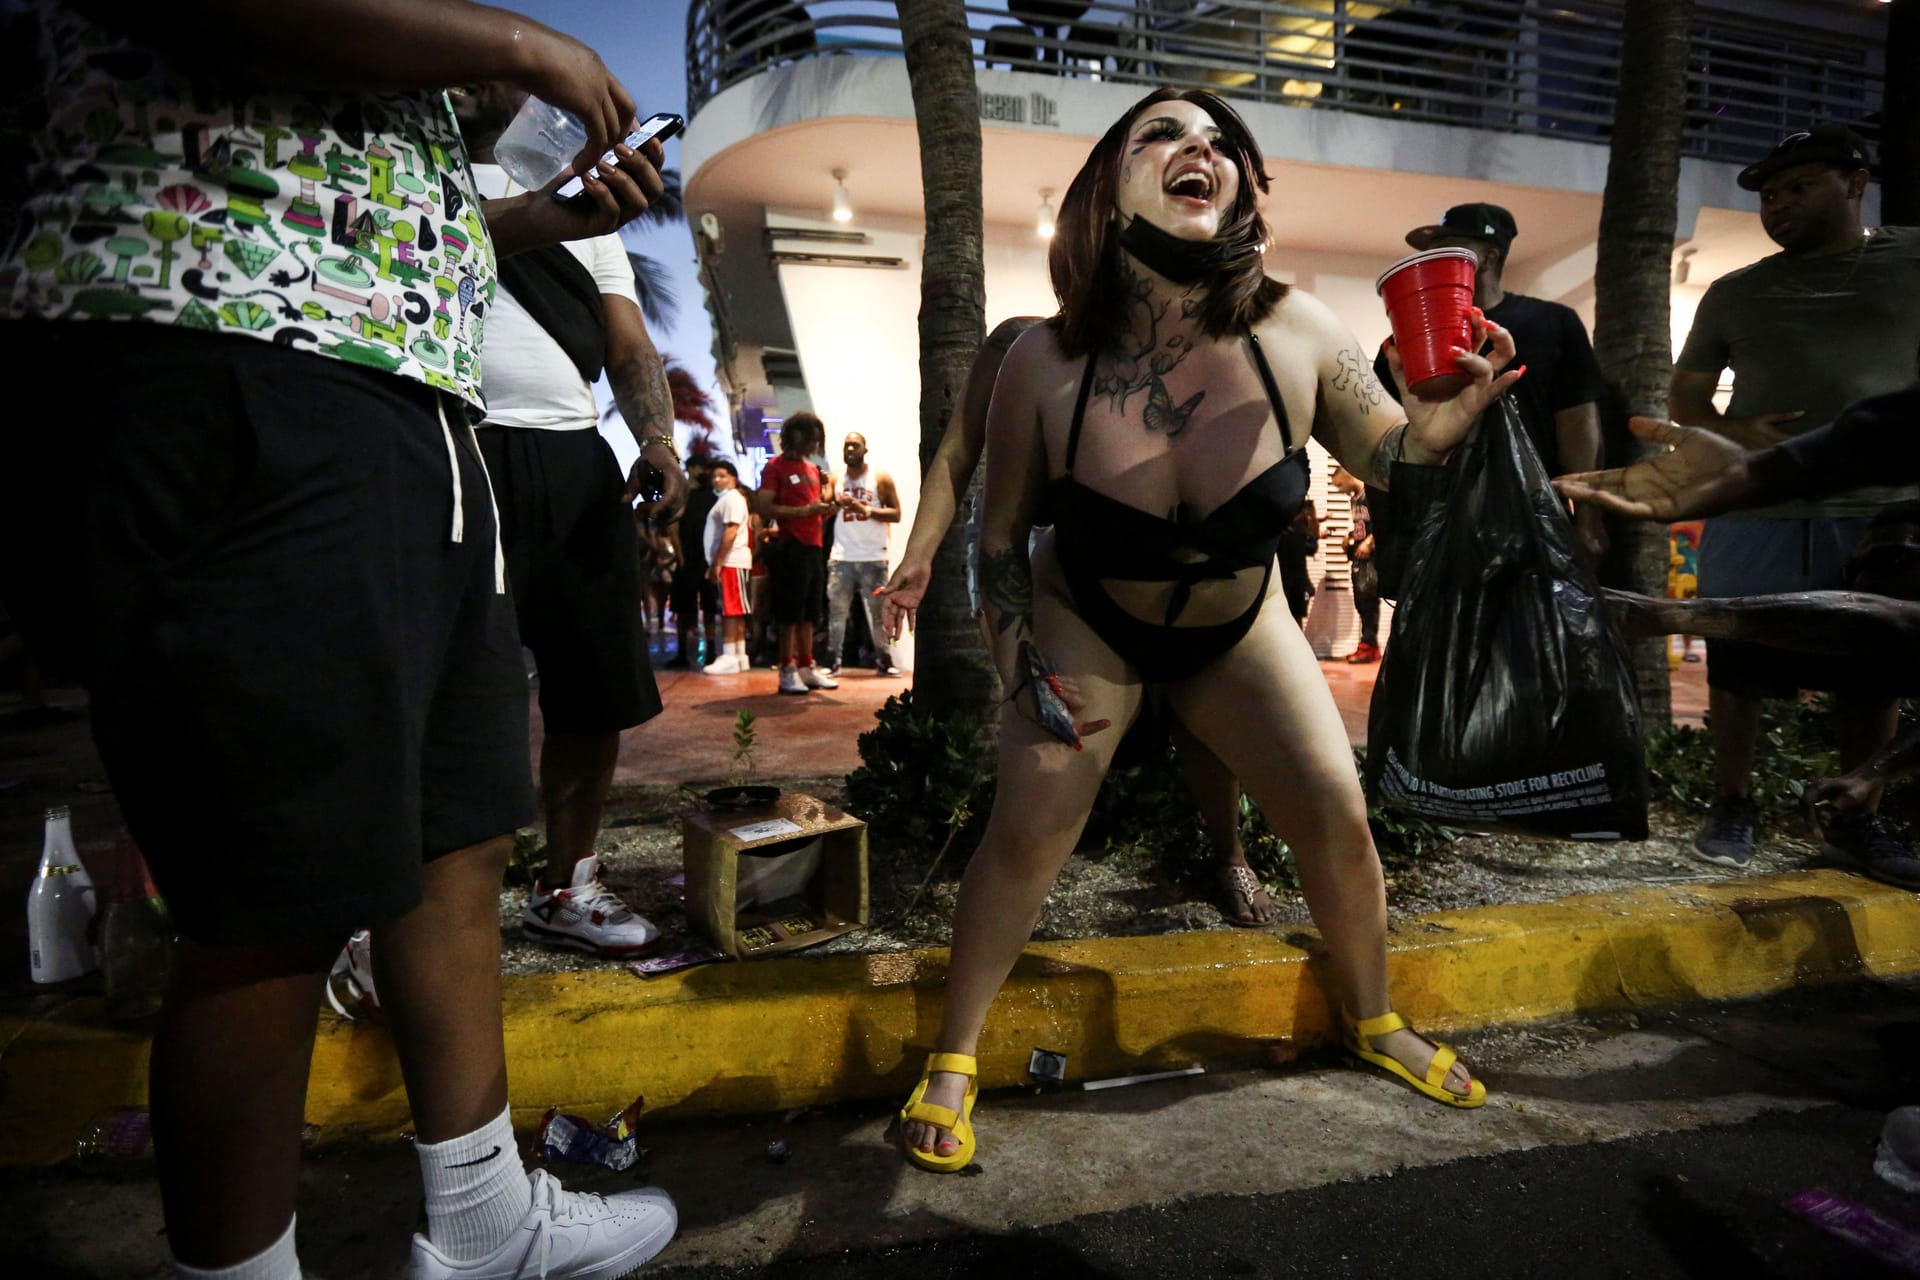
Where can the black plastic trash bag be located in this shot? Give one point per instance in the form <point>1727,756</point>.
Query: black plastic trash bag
<point>1506,698</point>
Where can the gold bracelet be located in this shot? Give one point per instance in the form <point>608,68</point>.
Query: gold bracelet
<point>662,439</point>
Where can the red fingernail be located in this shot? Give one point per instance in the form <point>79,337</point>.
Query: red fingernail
<point>1521,374</point>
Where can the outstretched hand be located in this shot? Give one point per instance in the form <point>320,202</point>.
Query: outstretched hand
<point>1436,428</point>
<point>902,594</point>
<point>1700,474</point>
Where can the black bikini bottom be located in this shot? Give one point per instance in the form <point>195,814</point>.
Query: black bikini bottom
<point>1159,654</point>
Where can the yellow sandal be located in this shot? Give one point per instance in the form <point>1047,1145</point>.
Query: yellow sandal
<point>958,1123</point>
<point>1360,1036</point>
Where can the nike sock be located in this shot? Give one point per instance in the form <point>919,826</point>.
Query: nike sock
<point>275,1262</point>
<point>477,1190</point>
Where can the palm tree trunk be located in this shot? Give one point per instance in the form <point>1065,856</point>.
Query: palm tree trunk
<point>1633,277</point>
<point>953,672</point>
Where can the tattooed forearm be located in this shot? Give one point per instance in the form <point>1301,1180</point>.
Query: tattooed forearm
<point>640,390</point>
<point>1355,377</point>
<point>1391,448</point>
<point>1006,580</point>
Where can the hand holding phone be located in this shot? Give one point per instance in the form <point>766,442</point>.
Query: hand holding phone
<point>661,125</point>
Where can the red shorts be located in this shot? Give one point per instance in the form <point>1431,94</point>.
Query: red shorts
<point>733,593</point>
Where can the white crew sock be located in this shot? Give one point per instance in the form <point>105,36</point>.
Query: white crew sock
<point>477,1190</point>
<point>276,1262</point>
<point>738,648</point>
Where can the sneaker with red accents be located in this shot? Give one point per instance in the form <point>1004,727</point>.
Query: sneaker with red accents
<point>350,983</point>
<point>586,916</point>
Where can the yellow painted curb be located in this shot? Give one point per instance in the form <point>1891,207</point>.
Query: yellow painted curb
<point>791,1032</point>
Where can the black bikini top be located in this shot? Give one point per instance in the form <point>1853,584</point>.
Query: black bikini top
<point>1102,537</point>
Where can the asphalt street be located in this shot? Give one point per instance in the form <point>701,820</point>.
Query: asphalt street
<point>1658,1144</point>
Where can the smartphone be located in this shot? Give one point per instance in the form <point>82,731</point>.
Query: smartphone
<point>661,125</point>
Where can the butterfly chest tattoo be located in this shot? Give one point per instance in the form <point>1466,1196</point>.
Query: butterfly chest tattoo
<point>1136,374</point>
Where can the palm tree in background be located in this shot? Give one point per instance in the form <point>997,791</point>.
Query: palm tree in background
<point>1633,278</point>
<point>693,406</point>
<point>657,300</point>
<point>953,672</point>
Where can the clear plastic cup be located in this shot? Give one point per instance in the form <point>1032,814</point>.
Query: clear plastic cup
<point>540,142</point>
<point>1428,297</point>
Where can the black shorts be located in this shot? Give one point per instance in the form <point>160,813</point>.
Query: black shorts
<point>573,557</point>
<point>302,687</point>
<point>694,594</point>
<point>799,576</point>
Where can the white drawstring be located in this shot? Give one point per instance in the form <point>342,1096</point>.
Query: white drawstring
<point>459,530</point>
<point>459,533</point>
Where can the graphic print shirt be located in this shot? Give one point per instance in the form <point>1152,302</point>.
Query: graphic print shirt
<point>343,224</point>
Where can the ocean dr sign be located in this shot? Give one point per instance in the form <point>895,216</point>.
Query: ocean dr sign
<point>1020,108</point>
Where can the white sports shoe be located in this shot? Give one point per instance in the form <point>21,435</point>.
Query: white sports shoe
<point>586,916</point>
<point>566,1235</point>
<point>790,681</point>
<point>727,664</point>
<point>814,678</point>
<point>350,982</point>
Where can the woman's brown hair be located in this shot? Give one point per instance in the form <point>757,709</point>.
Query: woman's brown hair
<point>1084,257</point>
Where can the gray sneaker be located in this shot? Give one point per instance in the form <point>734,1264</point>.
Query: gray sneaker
<point>1898,1160</point>
<point>1870,849</point>
<point>1726,839</point>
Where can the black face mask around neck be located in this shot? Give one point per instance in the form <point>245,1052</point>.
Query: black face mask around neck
<point>1181,261</point>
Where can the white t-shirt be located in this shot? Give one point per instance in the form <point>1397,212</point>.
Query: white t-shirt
<point>857,538</point>
<point>730,509</point>
<point>528,380</point>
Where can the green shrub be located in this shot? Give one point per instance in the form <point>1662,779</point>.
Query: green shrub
<point>921,776</point>
<point>1795,750</point>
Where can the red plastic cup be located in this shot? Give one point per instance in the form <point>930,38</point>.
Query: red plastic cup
<point>1428,296</point>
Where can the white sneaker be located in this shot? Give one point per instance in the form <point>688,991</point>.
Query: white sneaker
<point>727,664</point>
<point>566,1235</point>
<point>790,681</point>
<point>814,678</point>
<point>586,916</point>
<point>350,982</point>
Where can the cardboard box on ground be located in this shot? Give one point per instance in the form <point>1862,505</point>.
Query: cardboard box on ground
<point>775,877</point>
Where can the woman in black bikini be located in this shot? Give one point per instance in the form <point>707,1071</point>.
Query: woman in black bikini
<point>1159,423</point>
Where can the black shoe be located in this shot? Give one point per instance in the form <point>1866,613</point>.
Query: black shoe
<point>1727,837</point>
<point>677,663</point>
<point>1870,849</point>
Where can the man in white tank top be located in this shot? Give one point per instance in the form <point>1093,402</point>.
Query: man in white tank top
<point>866,505</point>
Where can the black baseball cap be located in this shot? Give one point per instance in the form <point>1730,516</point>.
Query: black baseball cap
<point>1833,144</point>
<point>1473,221</point>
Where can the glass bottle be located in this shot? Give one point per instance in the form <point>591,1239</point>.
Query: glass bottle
<point>60,907</point>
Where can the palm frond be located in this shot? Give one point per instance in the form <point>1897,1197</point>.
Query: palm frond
<point>658,302</point>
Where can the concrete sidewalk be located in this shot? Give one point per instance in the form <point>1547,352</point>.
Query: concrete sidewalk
<point>815,736</point>
<point>790,1032</point>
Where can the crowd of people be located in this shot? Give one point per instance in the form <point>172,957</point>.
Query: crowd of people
<point>295,553</point>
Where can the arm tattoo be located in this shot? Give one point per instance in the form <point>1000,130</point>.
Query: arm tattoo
<point>1388,452</point>
<point>1121,376</point>
<point>1355,377</point>
<point>640,389</point>
<point>1006,578</point>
